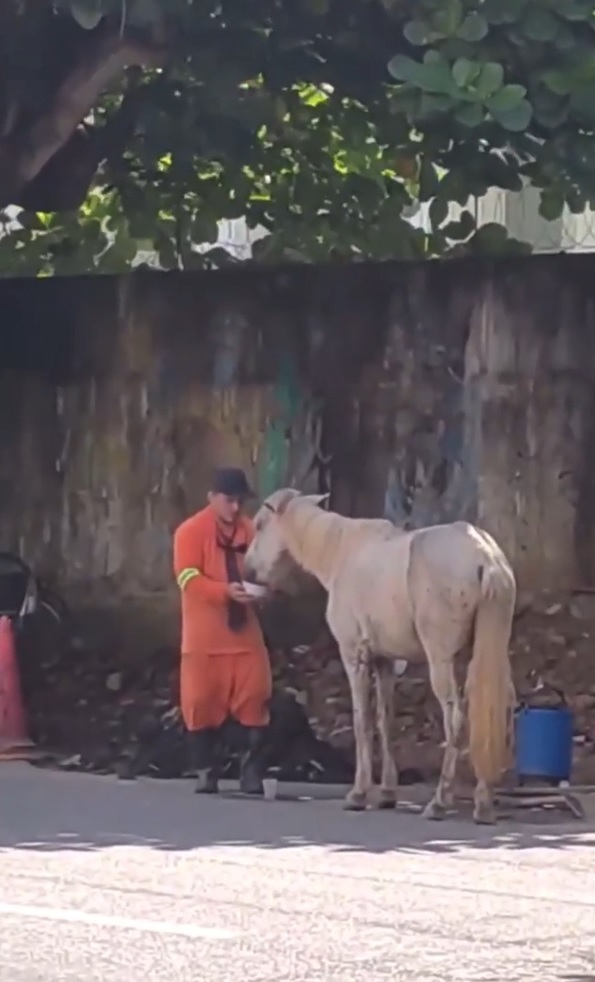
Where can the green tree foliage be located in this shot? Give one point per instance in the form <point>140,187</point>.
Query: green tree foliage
<point>128,124</point>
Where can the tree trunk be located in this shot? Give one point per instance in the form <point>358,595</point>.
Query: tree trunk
<point>23,155</point>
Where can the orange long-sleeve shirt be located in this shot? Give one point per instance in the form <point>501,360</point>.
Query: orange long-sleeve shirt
<point>199,567</point>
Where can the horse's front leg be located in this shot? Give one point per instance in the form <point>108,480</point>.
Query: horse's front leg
<point>384,678</point>
<point>357,667</point>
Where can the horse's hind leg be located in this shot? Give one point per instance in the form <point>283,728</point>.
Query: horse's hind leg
<point>384,679</point>
<point>483,804</point>
<point>443,681</point>
<point>357,667</point>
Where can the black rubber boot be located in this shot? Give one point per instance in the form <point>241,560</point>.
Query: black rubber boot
<point>203,750</point>
<point>252,771</point>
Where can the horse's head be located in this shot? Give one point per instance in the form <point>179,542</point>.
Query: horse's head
<point>268,560</point>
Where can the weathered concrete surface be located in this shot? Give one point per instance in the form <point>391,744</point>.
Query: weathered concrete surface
<point>102,881</point>
<point>442,390</point>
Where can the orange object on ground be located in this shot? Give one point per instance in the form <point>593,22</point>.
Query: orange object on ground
<point>13,726</point>
<point>224,671</point>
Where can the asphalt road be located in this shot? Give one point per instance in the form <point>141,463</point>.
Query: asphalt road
<point>103,881</point>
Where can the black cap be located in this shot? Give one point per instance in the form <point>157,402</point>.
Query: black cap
<point>232,482</point>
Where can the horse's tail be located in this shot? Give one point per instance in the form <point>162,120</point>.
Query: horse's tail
<point>489,687</point>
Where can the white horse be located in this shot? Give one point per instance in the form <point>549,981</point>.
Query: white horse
<point>397,596</point>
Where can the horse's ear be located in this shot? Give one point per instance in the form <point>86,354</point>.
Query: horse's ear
<point>317,499</point>
<point>282,505</point>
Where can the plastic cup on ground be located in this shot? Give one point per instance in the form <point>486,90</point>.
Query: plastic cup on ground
<point>269,788</point>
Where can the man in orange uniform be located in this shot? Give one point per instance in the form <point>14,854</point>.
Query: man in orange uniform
<point>225,670</point>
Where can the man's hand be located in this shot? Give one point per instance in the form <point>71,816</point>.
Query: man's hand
<point>235,591</point>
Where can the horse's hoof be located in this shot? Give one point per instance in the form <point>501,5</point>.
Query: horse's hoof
<point>354,802</point>
<point>484,816</point>
<point>385,801</point>
<point>434,811</point>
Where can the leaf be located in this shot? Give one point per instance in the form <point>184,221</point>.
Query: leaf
<point>507,98</point>
<point>168,257</point>
<point>404,101</point>
<point>430,104</point>
<point>503,11</point>
<point>554,117</point>
<point>544,100</point>
<point>575,10</point>
<point>491,238</point>
<point>431,75</point>
<point>465,71</point>
<point>87,13</point>
<point>438,212</point>
<point>404,69</point>
<point>448,17</point>
<point>429,183</point>
<point>501,173</point>
<point>515,247</point>
<point>581,103</point>
<point>460,229</point>
<point>576,201</point>
<point>516,120</point>
<point>406,166</point>
<point>470,115</point>
<point>551,204</point>
<point>565,39</point>
<point>454,187</point>
<point>538,24</point>
<point>473,29</point>
<point>453,48</point>
<point>292,136</point>
<point>433,57</point>
<point>435,76</point>
<point>205,230</point>
<point>559,82</point>
<point>32,221</point>
<point>578,77</point>
<point>418,33</point>
<point>123,250</point>
<point>490,79</point>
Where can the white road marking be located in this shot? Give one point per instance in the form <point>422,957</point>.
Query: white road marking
<point>122,923</point>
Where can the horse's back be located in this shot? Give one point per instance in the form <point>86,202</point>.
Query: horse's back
<point>369,597</point>
<point>391,585</point>
<point>459,550</point>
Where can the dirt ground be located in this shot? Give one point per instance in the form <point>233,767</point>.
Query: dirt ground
<point>552,650</point>
<point>89,702</point>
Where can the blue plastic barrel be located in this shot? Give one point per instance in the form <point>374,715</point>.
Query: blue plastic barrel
<point>544,743</point>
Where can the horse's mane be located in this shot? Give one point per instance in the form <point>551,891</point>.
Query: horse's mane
<point>317,539</point>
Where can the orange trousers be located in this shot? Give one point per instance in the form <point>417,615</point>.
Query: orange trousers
<point>215,687</point>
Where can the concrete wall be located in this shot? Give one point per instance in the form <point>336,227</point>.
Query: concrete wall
<point>442,390</point>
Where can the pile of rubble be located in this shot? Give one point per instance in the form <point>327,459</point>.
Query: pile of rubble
<point>101,714</point>
<point>552,653</point>
<point>98,717</point>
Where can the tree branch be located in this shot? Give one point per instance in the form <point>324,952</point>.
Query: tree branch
<point>63,184</point>
<point>24,155</point>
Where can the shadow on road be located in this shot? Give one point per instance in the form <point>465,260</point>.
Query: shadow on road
<point>49,811</point>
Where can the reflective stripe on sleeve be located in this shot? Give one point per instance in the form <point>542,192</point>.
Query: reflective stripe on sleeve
<point>186,575</point>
